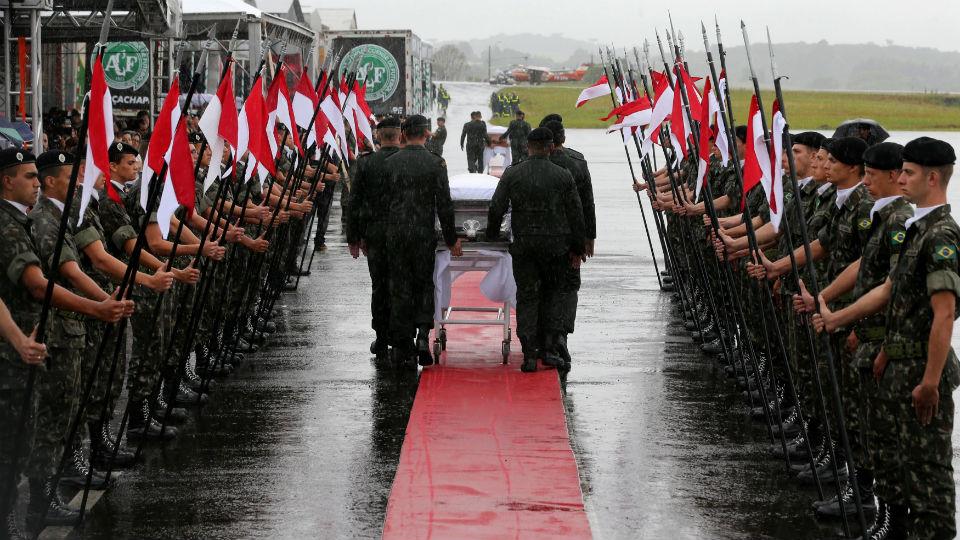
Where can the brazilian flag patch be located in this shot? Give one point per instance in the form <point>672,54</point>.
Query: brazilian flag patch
<point>864,223</point>
<point>945,252</point>
<point>897,237</point>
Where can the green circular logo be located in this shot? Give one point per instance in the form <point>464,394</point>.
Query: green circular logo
<point>375,66</point>
<point>126,64</point>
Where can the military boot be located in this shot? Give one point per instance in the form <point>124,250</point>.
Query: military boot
<point>178,415</point>
<point>46,508</point>
<point>550,356</point>
<point>424,357</point>
<point>379,348</point>
<point>102,448</point>
<point>141,424</point>
<point>880,530</point>
<point>833,509</point>
<point>76,470</point>
<point>10,528</point>
<point>824,471</point>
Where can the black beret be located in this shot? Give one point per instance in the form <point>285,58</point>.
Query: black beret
<point>389,122</point>
<point>15,156</point>
<point>541,135</point>
<point>53,158</point>
<point>549,117</point>
<point>118,149</point>
<point>811,139</point>
<point>848,150</point>
<point>557,129</point>
<point>885,156</point>
<point>929,152</point>
<point>196,137</point>
<point>416,121</point>
<point>519,112</point>
<point>825,143</point>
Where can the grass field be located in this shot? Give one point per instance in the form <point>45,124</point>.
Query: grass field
<point>805,109</point>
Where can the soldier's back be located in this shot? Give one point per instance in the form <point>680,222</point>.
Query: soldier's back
<point>413,190</point>
<point>536,188</point>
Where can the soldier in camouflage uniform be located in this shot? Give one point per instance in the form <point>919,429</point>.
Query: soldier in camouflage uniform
<point>438,137</point>
<point>106,270</point>
<point>842,239</point>
<point>366,229</point>
<point>916,368</point>
<point>55,393</point>
<point>576,165</point>
<point>548,235</point>
<point>419,194</point>
<point>887,231</point>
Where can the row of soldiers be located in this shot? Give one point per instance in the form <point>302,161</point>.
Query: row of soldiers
<point>399,189</point>
<point>205,293</point>
<point>869,410</point>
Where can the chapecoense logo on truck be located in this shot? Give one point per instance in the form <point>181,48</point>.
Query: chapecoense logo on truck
<point>376,67</point>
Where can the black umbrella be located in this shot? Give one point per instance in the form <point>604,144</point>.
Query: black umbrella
<point>865,128</point>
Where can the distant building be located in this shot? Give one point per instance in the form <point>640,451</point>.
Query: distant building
<point>332,19</point>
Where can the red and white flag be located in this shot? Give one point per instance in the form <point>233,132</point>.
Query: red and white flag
<point>331,111</point>
<point>599,89</point>
<point>779,125</point>
<point>160,140</point>
<point>634,114</point>
<point>254,113</point>
<point>180,164</point>
<point>284,111</point>
<point>720,127</point>
<point>756,165</point>
<point>304,103</point>
<point>361,121</point>
<point>662,105</point>
<point>703,159</point>
<point>99,137</point>
<point>219,126</point>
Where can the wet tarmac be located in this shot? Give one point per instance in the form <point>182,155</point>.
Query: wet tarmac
<point>303,440</point>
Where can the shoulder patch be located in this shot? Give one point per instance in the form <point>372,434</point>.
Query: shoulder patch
<point>897,237</point>
<point>864,223</point>
<point>944,252</point>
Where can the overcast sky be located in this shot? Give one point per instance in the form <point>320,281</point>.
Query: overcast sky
<point>920,23</point>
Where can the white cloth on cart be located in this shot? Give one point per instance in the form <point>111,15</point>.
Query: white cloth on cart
<point>473,187</point>
<point>497,285</point>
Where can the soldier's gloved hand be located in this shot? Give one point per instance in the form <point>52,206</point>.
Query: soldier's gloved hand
<point>188,275</point>
<point>354,250</point>
<point>457,249</point>
<point>30,351</point>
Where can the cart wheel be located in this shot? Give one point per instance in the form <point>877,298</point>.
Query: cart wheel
<point>505,350</point>
<point>436,350</point>
<point>443,339</point>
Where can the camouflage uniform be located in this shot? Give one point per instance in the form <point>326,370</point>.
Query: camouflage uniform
<point>917,464</point>
<point>843,238</point>
<point>419,194</point>
<point>88,232</point>
<point>149,341</point>
<point>59,389</point>
<point>17,252</point>
<point>517,132</point>
<point>475,133</point>
<point>886,237</point>
<point>576,165</point>
<point>369,207</point>
<point>547,224</point>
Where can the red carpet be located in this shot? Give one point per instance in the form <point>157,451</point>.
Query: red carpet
<point>486,452</point>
